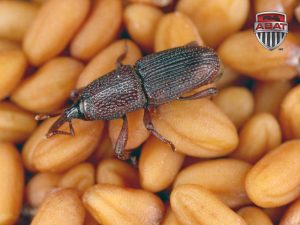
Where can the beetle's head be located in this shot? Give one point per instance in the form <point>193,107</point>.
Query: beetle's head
<point>70,113</point>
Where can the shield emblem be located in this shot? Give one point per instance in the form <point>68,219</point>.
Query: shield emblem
<point>271,29</point>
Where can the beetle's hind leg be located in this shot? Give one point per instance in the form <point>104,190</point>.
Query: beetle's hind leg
<point>122,56</point>
<point>122,140</point>
<point>149,126</point>
<point>201,94</point>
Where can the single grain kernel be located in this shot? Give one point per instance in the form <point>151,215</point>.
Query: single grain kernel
<point>210,16</point>
<point>170,218</point>
<point>15,18</point>
<point>243,53</point>
<point>223,177</point>
<point>61,152</point>
<point>237,103</point>
<point>48,89</point>
<point>80,177</point>
<point>12,67</point>
<point>16,124</point>
<point>60,208</point>
<point>289,114</point>
<point>11,185</point>
<point>99,30</point>
<point>269,95</point>
<point>32,142</point>
<point>54,26</point>
<point>160,3</point>
<point>265,130</point>
<point>105,61</point>
<point>292,215</point>
<point>274,180</point>
<point>286,6</point>
<point>40,186</point>
<point>113,171</point>
<point>158,165</point>
<point>8,45</point>
<point>110,205</point>
<point>137,133</point>
<point>196,128</point>
<point>194,205</point>
<point>174,30</point>
<point>141,21</point>
<point>254,216</point>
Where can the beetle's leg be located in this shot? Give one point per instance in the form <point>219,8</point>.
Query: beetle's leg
<point>122,140</point>
<point>192,44</point>
<point>201,94</point>
<point>72,132</point>
<point>149,126</point>
<point>122,56</point>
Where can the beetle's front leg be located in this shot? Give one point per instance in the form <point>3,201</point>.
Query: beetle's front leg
<point>149,126</point>
<point>122,140</point>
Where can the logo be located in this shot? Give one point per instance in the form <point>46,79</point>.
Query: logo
<point>270,29</point>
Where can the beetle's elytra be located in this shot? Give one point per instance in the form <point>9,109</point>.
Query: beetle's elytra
<point>154,80</point>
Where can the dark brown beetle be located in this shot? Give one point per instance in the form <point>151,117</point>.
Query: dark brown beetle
<point>154,80</point>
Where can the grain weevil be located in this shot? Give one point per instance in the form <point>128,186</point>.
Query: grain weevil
<point>155,79</point>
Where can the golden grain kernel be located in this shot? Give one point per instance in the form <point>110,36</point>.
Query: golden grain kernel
<point>174,30</point>
<point>243,53</point>
<point>62,152</point>
<point>209,17</point>
<point>61,207</point>
<point>254,216</point>
<point>196,128</point>
<point>289,114</point>
<point>105,61</point>
<point>16,125</point>
<point>11,185</point>
<point>237,103</point>
<point>99,30</point>
<point>110,205</point>
<point>79,177</point>
<point>40,186</point>
<point>194,205</point>
<point>12,66</point>
<point>114,171</point>
<point>223,177</point>
<point>52,29</point>
<point>274,180</point>
<point>48,89</point>
<point>16,18</point>
<point>265,130</point>
<point>141,21</point>
<point>158,165</point>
